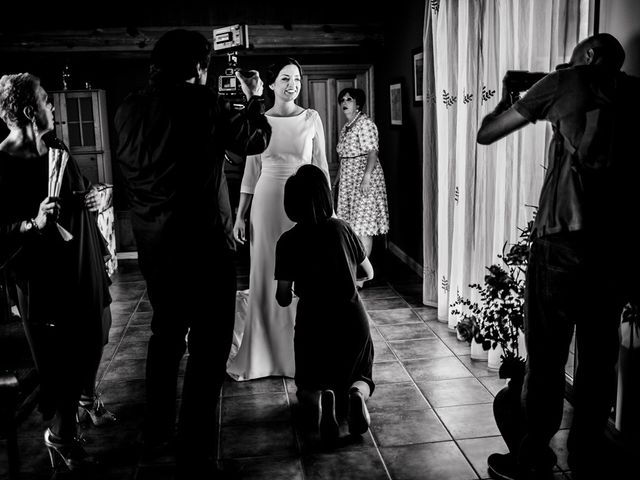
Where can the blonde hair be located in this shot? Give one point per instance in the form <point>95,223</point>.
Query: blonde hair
<point>17,91</point>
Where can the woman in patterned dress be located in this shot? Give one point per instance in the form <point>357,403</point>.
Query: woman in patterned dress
<point>362,196</point>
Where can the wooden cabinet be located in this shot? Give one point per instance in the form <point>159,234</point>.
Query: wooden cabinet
<point>81,123</point>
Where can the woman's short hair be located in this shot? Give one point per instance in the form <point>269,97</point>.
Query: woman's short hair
<point>177,52</point>
<point>307,196</point>
<point>272,71</point>
<point>356,93</point>
<point>17,91</point>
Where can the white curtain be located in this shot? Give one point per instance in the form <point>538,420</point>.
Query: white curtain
<point>476,197</point>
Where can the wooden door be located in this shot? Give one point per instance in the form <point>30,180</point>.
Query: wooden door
<point>320,87</point>
<point>78,123</point>
<point>81,123</point>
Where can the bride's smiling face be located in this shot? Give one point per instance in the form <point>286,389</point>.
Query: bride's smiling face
<point>287,84</point>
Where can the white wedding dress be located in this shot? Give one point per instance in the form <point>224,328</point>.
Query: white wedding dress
<point>263,334</point>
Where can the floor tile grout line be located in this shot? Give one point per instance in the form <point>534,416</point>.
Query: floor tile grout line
<point>424,396</point>
<point>136,469</point>
<point>412,381</point>
<point>456,356</point>
<point>440,338</point>
<point>295,430</point>
<point>219,432</point>
<point>409,381</point>
<point>478,474</point>
<point>384,464</point>
<point>124,333</point>
<point>370,431</point>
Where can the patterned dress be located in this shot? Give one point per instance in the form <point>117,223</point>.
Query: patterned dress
<point>367,214</point>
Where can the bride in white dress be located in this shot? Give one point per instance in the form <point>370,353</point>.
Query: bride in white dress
<point>265,336</point>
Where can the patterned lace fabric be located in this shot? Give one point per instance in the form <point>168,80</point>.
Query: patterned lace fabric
<point>367,214</point>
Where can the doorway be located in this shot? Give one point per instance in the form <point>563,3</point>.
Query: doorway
<point>320,87</point>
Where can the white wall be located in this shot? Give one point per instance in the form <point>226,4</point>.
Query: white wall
<point>621,18</point>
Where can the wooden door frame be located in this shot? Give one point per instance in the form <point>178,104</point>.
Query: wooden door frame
<point>362,75</point>
<point>365,69</point>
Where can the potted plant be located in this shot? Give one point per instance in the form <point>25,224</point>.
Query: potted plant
<point>468,327</point>
<point>496,320</point>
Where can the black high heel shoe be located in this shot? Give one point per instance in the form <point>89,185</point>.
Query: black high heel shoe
<point>71,453</point>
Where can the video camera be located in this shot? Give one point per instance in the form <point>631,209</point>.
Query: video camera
<point>518,81</point>
<point>229,40</point>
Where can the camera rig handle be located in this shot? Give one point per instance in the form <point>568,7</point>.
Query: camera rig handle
<point>232,63</point>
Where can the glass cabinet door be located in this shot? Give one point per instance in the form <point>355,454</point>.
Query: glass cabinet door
<point>78,120</point>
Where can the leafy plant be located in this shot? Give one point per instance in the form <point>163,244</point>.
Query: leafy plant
<point>498,316</point>
<point>468,327</point>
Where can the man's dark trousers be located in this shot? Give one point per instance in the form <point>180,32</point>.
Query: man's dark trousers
<point>571,283</point>
<point>191,291</point>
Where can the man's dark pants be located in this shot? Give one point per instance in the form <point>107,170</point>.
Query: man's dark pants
<point>571,283</point>
<point>191,290</point>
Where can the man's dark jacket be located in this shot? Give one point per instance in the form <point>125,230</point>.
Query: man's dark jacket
<point>172,140</point>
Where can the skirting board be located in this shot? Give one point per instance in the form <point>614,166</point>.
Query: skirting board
<point>410,262</point>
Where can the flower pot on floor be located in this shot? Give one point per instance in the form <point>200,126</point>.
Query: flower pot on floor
<point>509,414</point>
<point>477,352</point>
<point>493,358</point>
<point>522,347</point>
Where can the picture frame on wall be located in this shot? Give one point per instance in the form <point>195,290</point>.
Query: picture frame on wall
<point>395,103</point>
<point>417,56</point>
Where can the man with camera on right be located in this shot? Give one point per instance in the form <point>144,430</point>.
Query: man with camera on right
<point>583,261</point>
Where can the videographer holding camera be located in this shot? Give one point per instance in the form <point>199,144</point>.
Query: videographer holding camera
<point>172,138</point>
<point>583,264</point>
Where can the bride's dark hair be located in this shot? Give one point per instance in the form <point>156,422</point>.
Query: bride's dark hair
<point>272,71</point>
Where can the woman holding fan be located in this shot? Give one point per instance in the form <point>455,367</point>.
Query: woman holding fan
<point>53,251</point>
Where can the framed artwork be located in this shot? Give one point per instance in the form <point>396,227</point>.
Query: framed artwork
<point>395,103</point>
<point>417,56</point>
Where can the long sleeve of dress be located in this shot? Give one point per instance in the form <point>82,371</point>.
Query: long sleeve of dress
<point>252,169</point>
<point>319,156</point>
<point>13,211</point>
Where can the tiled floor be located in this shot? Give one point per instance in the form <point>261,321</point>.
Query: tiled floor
<point>431,413</point>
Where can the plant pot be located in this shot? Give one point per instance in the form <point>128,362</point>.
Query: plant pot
<point>493,358</point>
<point>522,347</point>
<point>509,414</point>
<point>477,352</point>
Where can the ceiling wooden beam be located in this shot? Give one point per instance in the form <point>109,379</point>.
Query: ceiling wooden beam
<point>263,39</point>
